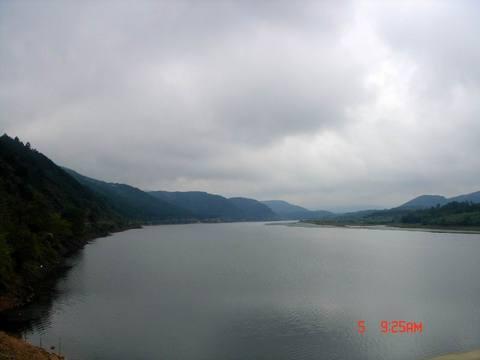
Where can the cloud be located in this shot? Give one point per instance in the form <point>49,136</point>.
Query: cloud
<point>328,104</point>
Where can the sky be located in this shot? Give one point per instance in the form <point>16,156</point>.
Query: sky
<point>338,105</point>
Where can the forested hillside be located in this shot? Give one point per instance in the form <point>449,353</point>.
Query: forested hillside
<point>44,214</point>
<point>454,214</point>
<point>253,209</point>
<point>134,203</point>
<point>428,201</point>
<point>47,212</point>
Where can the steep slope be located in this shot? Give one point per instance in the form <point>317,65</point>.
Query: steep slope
<point>44,214</point>
<point>134,203</point>
<point>203,205</point>
<point>253,209</point>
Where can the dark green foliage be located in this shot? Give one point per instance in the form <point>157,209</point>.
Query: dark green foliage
<point>44,214</point>
<point>134,203</point>
<point>6,264</point>
<point>429,201</point>
<point>452,214</point>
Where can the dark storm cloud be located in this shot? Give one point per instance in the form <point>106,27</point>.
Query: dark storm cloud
<point>328,103</point>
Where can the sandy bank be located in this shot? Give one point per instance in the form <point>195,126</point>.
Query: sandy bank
<point>13,348</point>
<point>450,230</point>
<point>472,355</point>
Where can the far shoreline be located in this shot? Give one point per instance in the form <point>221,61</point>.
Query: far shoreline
<point>447,230</point>
<point>471,355</point>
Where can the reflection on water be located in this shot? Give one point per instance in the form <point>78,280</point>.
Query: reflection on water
<point>38,314</point>
<point>250,291</point>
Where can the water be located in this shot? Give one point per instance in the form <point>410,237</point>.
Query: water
<point>254,291</point>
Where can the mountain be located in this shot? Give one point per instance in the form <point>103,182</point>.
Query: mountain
<point>253,209</point>
<point>426,210</point>
<point>472,197</point>
<point>428,201</point>
<point>284,208</point>
<point>289,211</point>
<point>134,203</point>
<point>461,215</point>
<point>216,207</point>
<point>44,214</point>
<point>424,202</point>
<point>47,212</point>
<point>203,205</point>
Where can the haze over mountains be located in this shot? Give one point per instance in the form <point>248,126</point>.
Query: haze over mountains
<point>289,211</point>
<point>47,211</point>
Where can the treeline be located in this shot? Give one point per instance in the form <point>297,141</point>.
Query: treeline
<point>451,214</point>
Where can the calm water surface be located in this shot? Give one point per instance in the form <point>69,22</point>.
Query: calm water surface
<point>254,291</point>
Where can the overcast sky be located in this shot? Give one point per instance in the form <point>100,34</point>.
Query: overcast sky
<point>327,104</point>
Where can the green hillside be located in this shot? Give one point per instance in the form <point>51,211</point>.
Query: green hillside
<point>461,214</point>
<point>134,203</point>
<point>453,214</point>
<point>44,214</point>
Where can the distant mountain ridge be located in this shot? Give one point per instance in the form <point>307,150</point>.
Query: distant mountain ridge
<point>472,197</point>
<point>424,201</point>
<point>426,210</point>
<point>47,212</point>
<point>206,206</point>
<point>253,209</point>
<point>287,211</point>
<point>428,201</point>
<point>134,203</point>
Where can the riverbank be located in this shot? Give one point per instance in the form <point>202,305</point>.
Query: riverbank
<point>13,348</point>
<point>453,230</point>
<point>26,293</point>
<point>471,355</point>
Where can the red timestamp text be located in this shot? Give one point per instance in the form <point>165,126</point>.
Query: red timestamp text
<point>393,327</point>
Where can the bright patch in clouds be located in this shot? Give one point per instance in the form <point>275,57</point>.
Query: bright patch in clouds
<point>332,105</point>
